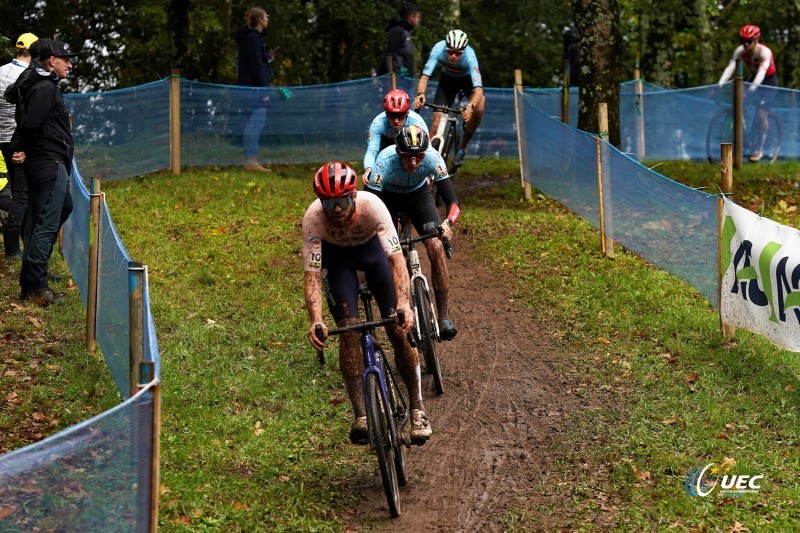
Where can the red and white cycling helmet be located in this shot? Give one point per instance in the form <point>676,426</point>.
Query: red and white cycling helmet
<point>396,101</point>
<point>335,180</point>
<point>749,32</point>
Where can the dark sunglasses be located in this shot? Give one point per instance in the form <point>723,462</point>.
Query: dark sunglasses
<point>409,157</point>
<point>330,204</point>
<point>396,116</point>
<point>746,41</point>
<point>455,53</point>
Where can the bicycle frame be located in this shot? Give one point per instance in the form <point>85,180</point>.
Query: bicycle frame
<point>415,271</point>
<point>445,138</point>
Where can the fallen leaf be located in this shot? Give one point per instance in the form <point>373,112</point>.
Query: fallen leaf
<point>603,340</point>
<point>11,396</point>
<point>5,512</point>
<point>675,420</point>
<point>218,231</point>
<point>35,321</point>
<point>239,506</point>
<point>692,378</point>
<point>644,476</point>
<point>728,463</point>
<point>38,416</point>
<point>722,435</point>
<point>788,387</point>
<point>737,527</point>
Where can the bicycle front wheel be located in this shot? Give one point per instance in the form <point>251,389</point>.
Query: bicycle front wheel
<point>379,425</point>
<point>720,130</point>
<point>450,147</point>
<point>427,325</point>
<point>398,409</point>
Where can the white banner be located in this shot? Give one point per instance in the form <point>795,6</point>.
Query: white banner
<point>761,286</point>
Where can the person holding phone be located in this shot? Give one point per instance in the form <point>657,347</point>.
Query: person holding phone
<point>254,70</point>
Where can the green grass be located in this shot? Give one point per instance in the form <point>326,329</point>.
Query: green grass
<point>254,432</point>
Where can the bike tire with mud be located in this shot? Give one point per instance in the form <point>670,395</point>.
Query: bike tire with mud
<point>379,427</point>
<point>427,328</point>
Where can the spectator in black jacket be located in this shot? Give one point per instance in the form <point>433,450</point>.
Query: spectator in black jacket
<point>254,70</point>
<point>398,41</point>
<point>42,144</point>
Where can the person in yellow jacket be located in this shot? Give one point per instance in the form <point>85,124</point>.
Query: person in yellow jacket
<point>5,193</point>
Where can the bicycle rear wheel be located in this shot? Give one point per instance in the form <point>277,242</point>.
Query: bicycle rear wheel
<point>427,326</point>
<point>379,427</point>
<point>772,142</point>
<point>720,130</point>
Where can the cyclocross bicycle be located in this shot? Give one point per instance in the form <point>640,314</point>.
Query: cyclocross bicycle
<point>720,130</point>
<point>448,133</point>
<point>387,409</point>
<point>426,332</point>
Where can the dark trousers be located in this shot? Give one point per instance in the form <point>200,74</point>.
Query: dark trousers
<point>16,221</point>
<point>50,204</point>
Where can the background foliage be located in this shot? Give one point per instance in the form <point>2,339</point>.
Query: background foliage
<point>130,42</point>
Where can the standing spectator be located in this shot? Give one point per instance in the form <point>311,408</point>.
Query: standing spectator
<point>254,71</point>
<point>398,41</point>
<point>43,145</point>
<point>17,186</point>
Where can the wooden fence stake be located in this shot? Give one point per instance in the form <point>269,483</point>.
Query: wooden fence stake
<point>604,193</point>
<point>521,149</point>
<point>726,185</point>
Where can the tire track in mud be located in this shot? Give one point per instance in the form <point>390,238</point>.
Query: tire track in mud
<point>496,427</point>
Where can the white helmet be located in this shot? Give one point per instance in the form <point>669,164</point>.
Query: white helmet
<point>456,40</point>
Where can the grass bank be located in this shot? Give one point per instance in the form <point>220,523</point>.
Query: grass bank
<point>254,432</point>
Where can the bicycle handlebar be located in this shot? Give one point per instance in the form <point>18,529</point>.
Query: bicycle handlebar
<point>448,248</point>
<point>443,109</point>
<point>363,326</point>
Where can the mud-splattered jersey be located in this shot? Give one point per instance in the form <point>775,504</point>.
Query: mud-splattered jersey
<point>371,218</point>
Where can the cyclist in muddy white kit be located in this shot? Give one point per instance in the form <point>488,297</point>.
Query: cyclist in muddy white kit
<point>346,231</point>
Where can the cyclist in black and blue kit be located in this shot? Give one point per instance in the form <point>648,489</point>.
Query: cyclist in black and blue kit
<point>460,72</point>
<point>402,179</point>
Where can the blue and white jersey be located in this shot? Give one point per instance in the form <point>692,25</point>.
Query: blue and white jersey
<point>467,64</point>
<point>380,127</point>
<point>388,174</point>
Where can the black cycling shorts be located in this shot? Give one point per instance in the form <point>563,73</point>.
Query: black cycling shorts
<point>340,265</point>
<point>765,97</point>
<point>448,89</point>
<point>417,205</point>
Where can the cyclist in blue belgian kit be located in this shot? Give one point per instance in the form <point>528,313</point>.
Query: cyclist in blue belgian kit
<point>460,72</point>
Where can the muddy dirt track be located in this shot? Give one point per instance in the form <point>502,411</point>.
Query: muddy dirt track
<point>498,425</point>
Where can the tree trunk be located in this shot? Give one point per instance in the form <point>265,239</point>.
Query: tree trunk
<point>600,47</point>
<point>700,14</point>
<point>791,62</point>
<point>659,48</point>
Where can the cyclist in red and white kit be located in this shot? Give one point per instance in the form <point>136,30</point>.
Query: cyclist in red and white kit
<point>343,235</point>
<point>761,62</point>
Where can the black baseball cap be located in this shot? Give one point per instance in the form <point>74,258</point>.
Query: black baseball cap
<point>51,48</point>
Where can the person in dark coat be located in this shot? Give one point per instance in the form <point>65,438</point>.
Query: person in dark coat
<point>42,143</point>
<point>399,46</point>
<point>254,70</point>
